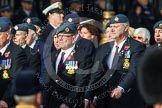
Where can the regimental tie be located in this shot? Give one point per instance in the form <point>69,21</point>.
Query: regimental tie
<point>60,65</point>
<point>115,57</point>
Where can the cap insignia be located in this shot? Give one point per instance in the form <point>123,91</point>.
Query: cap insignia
<point>28,20</point>
<point>116,19</point>
<point>67,29</point>
<point>160,25</point>
<point>70,19</point>
<point>16,27</point>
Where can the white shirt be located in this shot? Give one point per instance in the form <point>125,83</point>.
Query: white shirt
<point>53,26</point>
<point>34,42</point>
<point>111,56</point>
<point>4,48</point>
<point>67,53</point>
<point>23,46</point>
<point>27,12</point>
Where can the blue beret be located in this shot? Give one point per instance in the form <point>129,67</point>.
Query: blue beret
<point>6,20</point>
<point>30,1</point>
<point>67,28</point>
<point>31,26</point>
<point>5,8</point>
<point>119,18</point>
<point>158,24</point>
<point>33,20</point>
<point>108,23</point>
<point>4,26</point>
<point>26,83</point>
<point>21,27</point>
<point>72,17</point>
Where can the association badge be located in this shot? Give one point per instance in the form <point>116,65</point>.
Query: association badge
<point>5,75</point>
<point>126,64</point>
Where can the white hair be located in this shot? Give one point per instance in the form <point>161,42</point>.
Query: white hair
<point>27,99</point>
<point>144,33</point>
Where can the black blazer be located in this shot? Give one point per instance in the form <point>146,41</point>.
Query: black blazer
<point>18,61</point>
<point>80,78</point>
<point>46,32</point>
<point>125,78</point>
<point>33,58</point>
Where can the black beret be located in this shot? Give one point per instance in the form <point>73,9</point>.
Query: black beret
<point>150,75</point>
<point>21,27</point>
<point>33,20</point>
<point>26,83</point>
<point>32,27</point>
<point>119,18</point>
<point>67,28</point>
<point>4,26</point>
<point>158,24</point>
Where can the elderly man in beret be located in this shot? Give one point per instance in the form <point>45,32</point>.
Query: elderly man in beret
<point>37,23</point>
<point>27,92</point>
<point>12,60</point>
<point>21,38</point>
<point>119,59</point>
<point>69,63</point>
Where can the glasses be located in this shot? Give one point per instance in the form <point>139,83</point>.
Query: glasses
<point>64,36</point>
<point>137,37</point>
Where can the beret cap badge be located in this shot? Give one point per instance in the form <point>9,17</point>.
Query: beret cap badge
<point>16,27</point>
<point>28,20</point>
<point>116,19</point>
<point>59,5</point>
<point>160,25</point>
<point>70,19</point>
<point>67,29</point>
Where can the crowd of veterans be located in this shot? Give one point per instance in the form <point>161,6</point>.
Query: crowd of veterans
<point>63,65</point>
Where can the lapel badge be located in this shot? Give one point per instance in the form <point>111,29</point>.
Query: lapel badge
<point>126,64</point>
<point>127,54</point>
<point>5,75</point>
<point>67,29</point>
<point>116,19</point>
<point>7,54</point>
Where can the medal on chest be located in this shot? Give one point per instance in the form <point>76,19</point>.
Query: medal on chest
<point>5,75</point>
<point>127,54</point>
<point>71,64</point>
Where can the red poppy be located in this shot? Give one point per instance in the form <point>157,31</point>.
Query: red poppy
<point>38,51</point>
<point>69,58</point>
<point>126,48</point>
<point>7,54</point>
